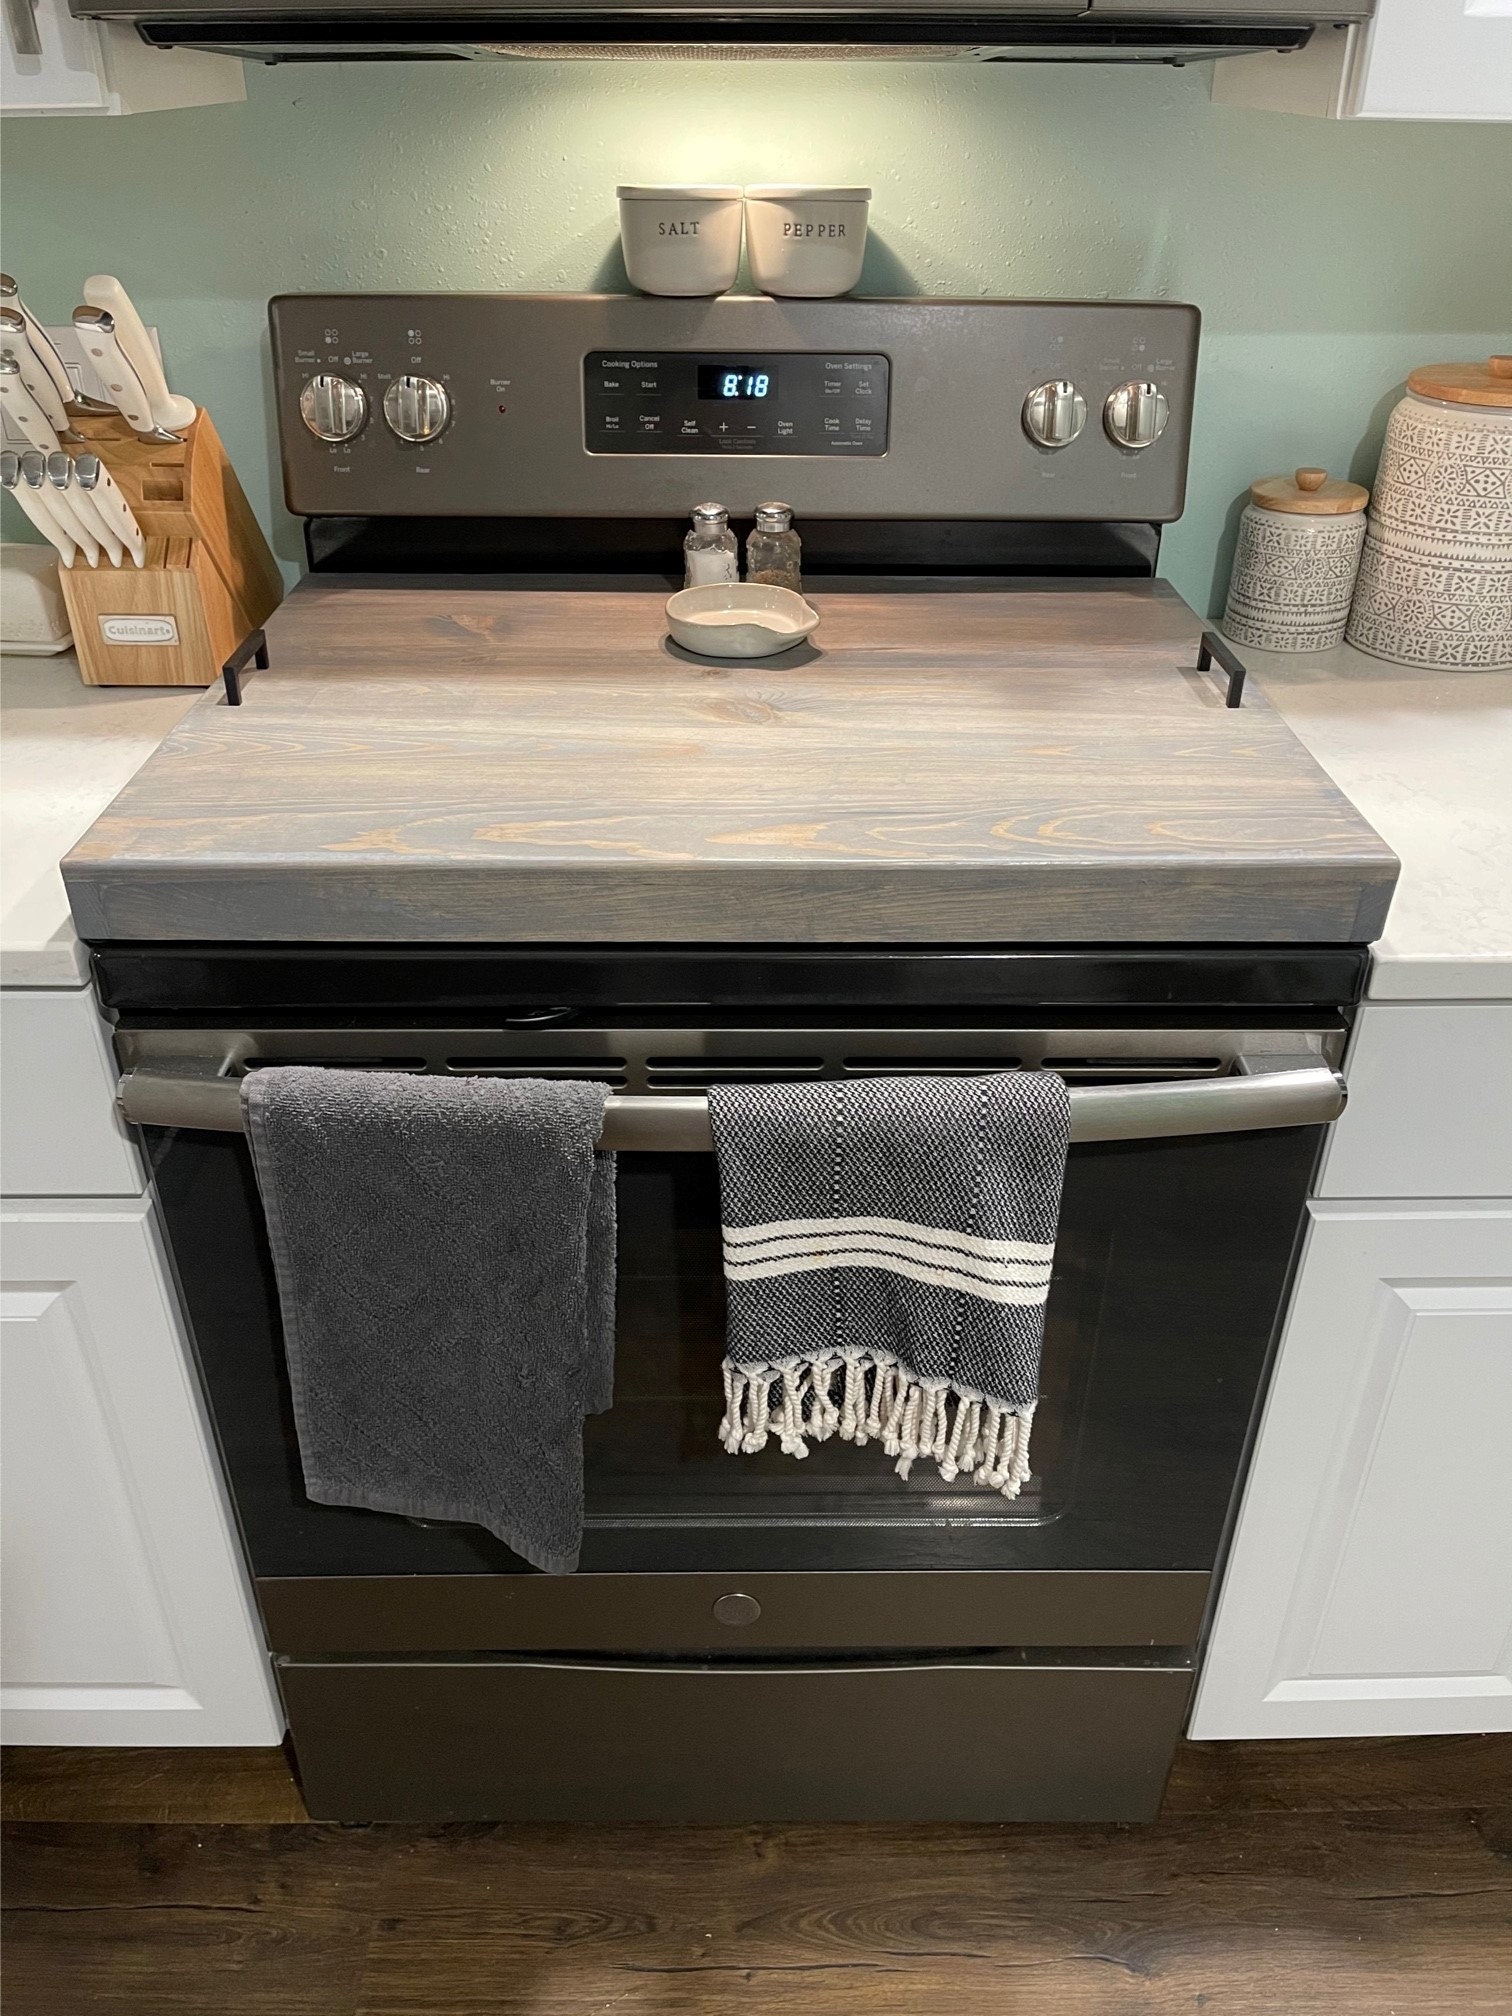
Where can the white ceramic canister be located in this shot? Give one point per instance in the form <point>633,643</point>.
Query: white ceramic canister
<point>1294,567</point>
<point>681,239</point>
<point>805,242</point>
<point>1435,584</point>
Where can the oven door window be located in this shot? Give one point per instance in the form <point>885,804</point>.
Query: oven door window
<point>1171,1268</point>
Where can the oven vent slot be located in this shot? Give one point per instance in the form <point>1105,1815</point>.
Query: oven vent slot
<point>340,1063</point>
<point>927,1067</point>
<point>600,1070</point>
<point>1081,1069</point>
<point>697,1074</point>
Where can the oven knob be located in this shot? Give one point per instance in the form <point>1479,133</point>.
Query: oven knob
<point>1136,414</point>
<point>736,1609</point>
<point>1054,413</point>
<point>334,409</point>
<point>417,409</point>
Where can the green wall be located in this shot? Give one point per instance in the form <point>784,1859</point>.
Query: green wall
<point>1327,259</point>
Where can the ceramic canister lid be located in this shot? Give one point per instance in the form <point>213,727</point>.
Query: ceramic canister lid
<point>1309,493</point>
<point>1487,384</point>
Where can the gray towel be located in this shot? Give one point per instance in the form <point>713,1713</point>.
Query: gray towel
<point>887,1252</point>
<point>445,1258</point>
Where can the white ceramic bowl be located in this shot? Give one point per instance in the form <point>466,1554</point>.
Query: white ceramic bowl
<point>681,239</point>
<point>805,242</point>
<point>739,619</point>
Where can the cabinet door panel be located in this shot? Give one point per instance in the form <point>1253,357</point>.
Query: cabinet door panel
<point>1430,1103</point>
<point>57,1086</point>
<point>1369,1588</point>
<point>66,74</point>
<point>127,1616</point>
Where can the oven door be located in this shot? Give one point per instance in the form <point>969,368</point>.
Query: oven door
<point>1193,1150</point>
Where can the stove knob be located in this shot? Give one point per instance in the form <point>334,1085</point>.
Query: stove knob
<point>417,409</point>
<point>334,409</point>
<point>1136,414</point>
<point>1054,413</point>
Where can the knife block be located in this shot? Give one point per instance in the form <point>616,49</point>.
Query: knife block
<point>210,579</point>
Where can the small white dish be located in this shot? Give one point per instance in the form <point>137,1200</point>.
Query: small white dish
<point>681,239</point>
<point>739,619</point>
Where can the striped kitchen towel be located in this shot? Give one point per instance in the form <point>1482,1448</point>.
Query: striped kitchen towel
<point>887,1254</point>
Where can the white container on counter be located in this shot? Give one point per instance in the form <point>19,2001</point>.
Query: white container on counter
<point>805,242</point>
<point>1435,584</point>
<point>1294,567</point>
<point>681,239</point>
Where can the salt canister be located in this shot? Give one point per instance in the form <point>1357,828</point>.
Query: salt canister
<point>1294,569</point>
<point>1435,584</point>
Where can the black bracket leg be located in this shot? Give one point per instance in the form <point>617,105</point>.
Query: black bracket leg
<point>254,647</point>
<point>1212,650</point>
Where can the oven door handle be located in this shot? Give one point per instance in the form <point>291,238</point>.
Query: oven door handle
<point>1265,1092</point>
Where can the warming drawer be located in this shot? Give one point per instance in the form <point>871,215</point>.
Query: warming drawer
<point>959,1738</point>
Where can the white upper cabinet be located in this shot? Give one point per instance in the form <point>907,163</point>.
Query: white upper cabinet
<point>51,63</point>
<point>1417,59</point>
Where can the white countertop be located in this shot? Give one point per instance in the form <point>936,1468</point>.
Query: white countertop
<point>1427,758</point>
<point>66,751</point>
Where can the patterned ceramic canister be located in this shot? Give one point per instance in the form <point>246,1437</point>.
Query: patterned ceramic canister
<point>1294,568</point>
<point>1435,584</point>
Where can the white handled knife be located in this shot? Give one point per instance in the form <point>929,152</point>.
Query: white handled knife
<point>79,504</point>
<point>36,507</point>
<point>103,290</point>
<point>43,347</point>
<point>34,476</point>
<point>97,332</point>
<point>33,374</point>
<point>21,410</point>
<point>106,496</point>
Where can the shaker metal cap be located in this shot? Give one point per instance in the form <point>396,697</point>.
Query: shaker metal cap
<point>774,517</point>
<point>710,514</point>
<point>1309,493</point>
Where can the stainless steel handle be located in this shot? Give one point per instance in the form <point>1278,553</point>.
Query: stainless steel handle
<point>25,33</point>
<point>200,1096</point>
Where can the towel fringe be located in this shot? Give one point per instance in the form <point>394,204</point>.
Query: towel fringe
<point>966,1432</point>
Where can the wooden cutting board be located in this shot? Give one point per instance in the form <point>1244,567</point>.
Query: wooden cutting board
<point>455,760</point>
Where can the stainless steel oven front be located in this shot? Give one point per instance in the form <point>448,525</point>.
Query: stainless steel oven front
<point>830,1585</point>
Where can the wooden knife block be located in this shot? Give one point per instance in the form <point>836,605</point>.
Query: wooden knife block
<point>210,579</point>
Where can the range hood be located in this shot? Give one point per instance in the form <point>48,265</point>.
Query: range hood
<point>983,31</point>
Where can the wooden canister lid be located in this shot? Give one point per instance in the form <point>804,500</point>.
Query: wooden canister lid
<point>1488,384</point>
<point>1311,493</point>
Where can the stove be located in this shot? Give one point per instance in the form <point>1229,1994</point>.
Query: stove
<point>479,814</point>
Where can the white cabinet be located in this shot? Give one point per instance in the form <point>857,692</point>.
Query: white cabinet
<point>61,1136</point>
<point>51,63</point>
<point>127,1619</point>
<point>1369,1591</point>
<point>1417,59</point>
<point>1430,1103</point>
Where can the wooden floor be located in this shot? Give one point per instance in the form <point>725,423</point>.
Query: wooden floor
<point>1348,1879</point>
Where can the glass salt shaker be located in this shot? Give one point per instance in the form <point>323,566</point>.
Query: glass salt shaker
<point>710,553</point>
<point>774,550</point>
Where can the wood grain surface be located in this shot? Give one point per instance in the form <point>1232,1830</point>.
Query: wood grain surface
<point>1352,1879</point>
<point>453,761</point>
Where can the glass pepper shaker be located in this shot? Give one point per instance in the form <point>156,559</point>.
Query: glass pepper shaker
<point>774,550</point>
<point>710,553</point>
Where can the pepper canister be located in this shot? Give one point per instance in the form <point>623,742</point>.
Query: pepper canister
<point>1435,584</point>
<point>1294,568</point>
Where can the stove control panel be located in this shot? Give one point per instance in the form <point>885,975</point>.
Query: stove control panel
<point>598,405</point>
<point>700,402</point>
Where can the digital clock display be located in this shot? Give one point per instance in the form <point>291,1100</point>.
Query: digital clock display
<point>736,381</point>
